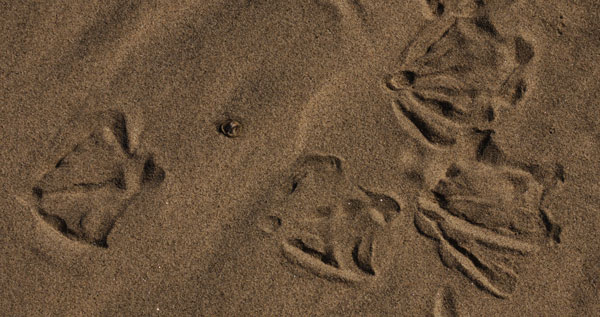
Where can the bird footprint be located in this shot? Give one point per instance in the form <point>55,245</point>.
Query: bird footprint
<point>92,183</point>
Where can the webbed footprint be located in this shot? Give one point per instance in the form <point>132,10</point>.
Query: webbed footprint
<point>457,73</point>
<point>91,183</point>
<point>485,219</point>
<point>327,225</point>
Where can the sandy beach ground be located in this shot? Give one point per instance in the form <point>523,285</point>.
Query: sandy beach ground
<point>300,158</point>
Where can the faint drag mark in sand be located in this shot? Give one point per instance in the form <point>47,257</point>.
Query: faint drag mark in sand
<point>350,11</point>
<point>326,225</point>
<point>445,303</point>
<point>98,169</point>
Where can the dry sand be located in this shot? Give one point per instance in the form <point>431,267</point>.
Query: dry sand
<point>295,158</point>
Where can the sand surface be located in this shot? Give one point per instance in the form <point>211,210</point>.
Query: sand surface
<point>300,158</point>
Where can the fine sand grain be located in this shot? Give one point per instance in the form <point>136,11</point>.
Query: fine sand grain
<point>300,158</point>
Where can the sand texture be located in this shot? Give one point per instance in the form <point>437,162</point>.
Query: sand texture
<point>300,158</point>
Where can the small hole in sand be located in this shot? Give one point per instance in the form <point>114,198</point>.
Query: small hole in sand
<point>231,128</point>
<point>439,10</point>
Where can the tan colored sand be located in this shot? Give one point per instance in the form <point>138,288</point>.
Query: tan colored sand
<point>352,188</point>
